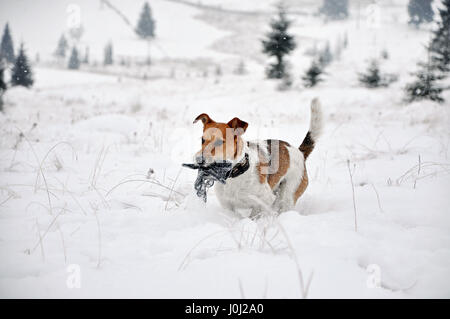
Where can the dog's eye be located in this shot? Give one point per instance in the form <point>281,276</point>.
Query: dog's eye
<point>218,142</point>
<point>203,140</point>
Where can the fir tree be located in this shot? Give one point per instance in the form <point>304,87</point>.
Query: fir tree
<point>335,9</point>
<point>3,86</point>
<point>440,43</point>
<point>74,61</point>
<point>425,86</point>
<point>146,25</point>
<point>108,57</point>
<point>420,11</point>
<point>371,78</point>
<point>278,44</point>
<point>2,78</point>
<point>61,48</point>
<point>312,75</point>
<point>21,72</point>
<point>6,46</point>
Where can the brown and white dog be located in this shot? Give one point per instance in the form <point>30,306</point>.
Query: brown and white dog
<point>266,174</point>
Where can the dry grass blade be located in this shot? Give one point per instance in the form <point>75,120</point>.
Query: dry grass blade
<point>143,181</point>
<point>353,194</point>
<point>45,157</point>
<point>171,189</point>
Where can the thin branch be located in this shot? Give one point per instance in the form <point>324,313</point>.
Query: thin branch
<point>353,194</point>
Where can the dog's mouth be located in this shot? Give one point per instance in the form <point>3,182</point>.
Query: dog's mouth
<point>208,174</point>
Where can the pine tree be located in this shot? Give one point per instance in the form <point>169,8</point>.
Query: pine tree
<point>74,61</point>
<point>420,11</point>
<point>3,86</point>
<point>371,78</point>
<point>425,86</point>
<point>108,57</point>
<point>335,9</point>
<point>312,75</point>
<point>21,71</point>
<point>6,46</point>
<point>278,44</point>
<point>146,25</point>
<point>61,47</point>
<point>2,78</point>
<point>440,43</point>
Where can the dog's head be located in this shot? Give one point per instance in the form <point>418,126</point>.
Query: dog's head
<point>220,141</point>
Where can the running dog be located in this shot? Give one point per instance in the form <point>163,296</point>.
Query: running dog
<point>265,175</point>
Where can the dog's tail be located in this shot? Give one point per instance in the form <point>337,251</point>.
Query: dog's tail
<point>315,128</point>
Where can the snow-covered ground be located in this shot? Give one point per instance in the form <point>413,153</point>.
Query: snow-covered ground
<point>91,182</point>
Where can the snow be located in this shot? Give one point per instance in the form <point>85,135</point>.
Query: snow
<point>134,233</point>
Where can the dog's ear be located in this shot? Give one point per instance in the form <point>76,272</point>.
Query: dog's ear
<point>204,118</point>
<point>238,125</point>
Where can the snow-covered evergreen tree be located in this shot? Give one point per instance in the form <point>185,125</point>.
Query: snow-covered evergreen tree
<point>425,86</point>
<point>440,43</point>
<point>420,11</point>
<point>3,86</point>
<point>6,46</point>
<point>371,78</point>
<point>74,60</point>
<point>335,9</point>
<point>108,54</point>
<point>61,48</point>
<point>278,44</point>
<point>146,25</point>
<point>312,75</point>
<point>21,72</point>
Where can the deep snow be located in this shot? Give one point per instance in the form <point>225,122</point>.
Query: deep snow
<point>97,139</point>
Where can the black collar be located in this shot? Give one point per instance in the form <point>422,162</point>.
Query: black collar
<point>240,168</point>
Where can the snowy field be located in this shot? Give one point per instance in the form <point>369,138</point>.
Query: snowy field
<point>91,181</point>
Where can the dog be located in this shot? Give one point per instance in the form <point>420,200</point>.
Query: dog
<point>265,175</point>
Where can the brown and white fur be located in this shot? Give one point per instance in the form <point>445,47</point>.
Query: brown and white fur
<point>276,176</point>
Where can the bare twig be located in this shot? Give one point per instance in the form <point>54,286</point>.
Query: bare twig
<point>45,157</point>
<point>353,194</point>
<point>171,189</point>
<point>95,209</point>
<point>144,181</point>
<point>40,240</point>
<point>40,170</point>
<point>378,197</point>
